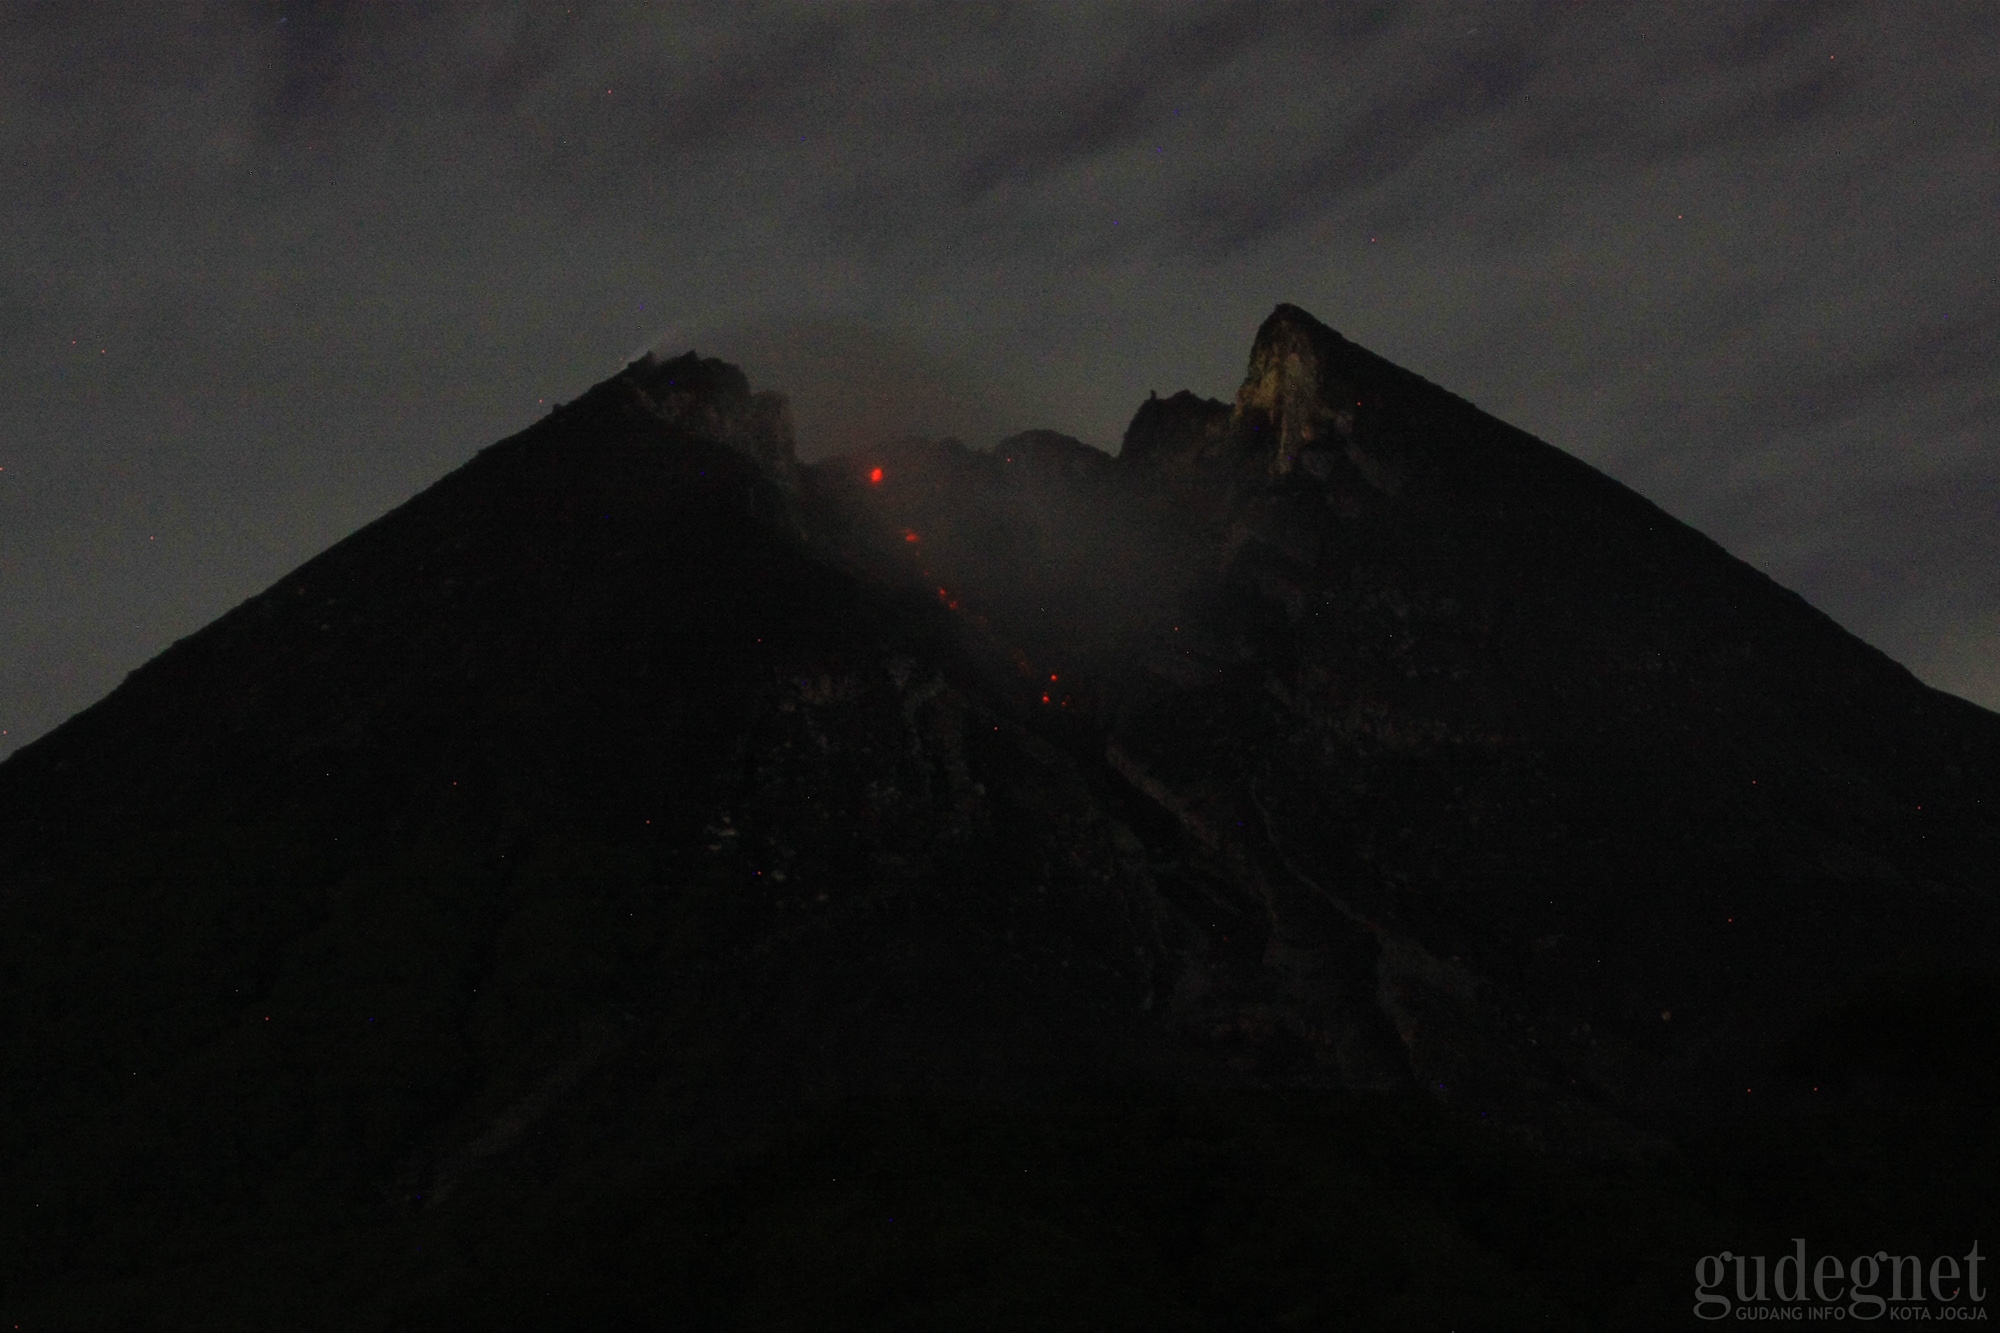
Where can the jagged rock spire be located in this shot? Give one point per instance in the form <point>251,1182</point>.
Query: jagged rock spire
<point>1288,397</point>
<point>1299,410</point>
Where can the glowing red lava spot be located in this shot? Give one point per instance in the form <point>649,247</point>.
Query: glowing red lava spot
<point>1053,676</point>
<point>875,477</point>
<point>909,536</point>
<point>1045,698</point>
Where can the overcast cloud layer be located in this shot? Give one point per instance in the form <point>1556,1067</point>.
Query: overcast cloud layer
<point>268,269</point>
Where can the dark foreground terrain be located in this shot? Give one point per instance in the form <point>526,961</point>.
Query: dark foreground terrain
<point>1340,863</point>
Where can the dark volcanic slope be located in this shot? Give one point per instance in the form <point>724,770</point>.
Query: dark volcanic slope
<point>1601,807</point>
<point>634,791</point>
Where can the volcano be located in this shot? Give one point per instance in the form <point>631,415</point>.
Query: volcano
<point>1339,862</point>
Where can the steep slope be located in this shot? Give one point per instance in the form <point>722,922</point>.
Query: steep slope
<point>568,869</point>
<point>352,863</point>
<point>1481,741</point>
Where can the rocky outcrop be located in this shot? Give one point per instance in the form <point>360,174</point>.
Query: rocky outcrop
<point>1283,403</point>
<point>1052,452</point>
<point>1300,404</point>
<point>1175,433</point>
<point>712,399</point>
<point>1301,412</point>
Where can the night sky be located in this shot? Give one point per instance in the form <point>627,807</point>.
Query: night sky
<point>268,269</point>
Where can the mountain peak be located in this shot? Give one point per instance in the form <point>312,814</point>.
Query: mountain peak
<point>712,399</point>
<point>1298,409</point>
<point>1291,395</point>
<point>1054,451</point>
<point>1172,433</point>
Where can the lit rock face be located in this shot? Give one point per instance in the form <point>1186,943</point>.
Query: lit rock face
<point>1302,411</point>
<point>1300,407</point>
<point>1284,401</point>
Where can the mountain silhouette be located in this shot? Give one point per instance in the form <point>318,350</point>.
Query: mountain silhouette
<point>1340,859</point>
